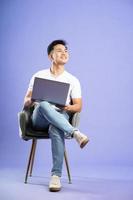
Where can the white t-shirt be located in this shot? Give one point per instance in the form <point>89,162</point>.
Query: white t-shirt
<point>75,88</point>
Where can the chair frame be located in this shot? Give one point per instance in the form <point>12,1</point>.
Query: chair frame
<point>31,158</point>
<point>29,134</point>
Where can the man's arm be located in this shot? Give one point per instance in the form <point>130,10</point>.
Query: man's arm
<point>76,105</point>
<point>27,99</point>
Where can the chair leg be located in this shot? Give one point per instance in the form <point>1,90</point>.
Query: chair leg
<point>30,159</point>
<point>67,166</point>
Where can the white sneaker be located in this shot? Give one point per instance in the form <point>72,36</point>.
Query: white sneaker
<point>55,184</point>
<point>80,138</point>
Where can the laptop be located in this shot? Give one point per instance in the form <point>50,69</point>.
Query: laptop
<point>52,91</point>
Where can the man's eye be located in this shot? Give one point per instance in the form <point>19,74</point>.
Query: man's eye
<point>60,51</point>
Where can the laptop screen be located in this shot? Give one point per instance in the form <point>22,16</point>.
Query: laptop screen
<point>50,90</point>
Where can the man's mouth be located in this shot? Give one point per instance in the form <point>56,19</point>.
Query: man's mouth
<point>63,57</point>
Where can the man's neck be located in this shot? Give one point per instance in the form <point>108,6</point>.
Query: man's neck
<point>56,70</point>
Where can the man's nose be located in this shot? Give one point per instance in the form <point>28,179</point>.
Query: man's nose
<point>63,52</point>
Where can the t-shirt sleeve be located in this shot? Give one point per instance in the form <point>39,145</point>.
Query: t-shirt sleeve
<point>76,89</point>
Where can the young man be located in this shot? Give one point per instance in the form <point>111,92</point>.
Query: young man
<point>47,115</point>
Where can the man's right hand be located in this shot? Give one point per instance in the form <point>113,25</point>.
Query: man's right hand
<point>27,102</point>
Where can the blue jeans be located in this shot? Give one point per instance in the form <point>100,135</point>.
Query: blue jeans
<point>46,116</point>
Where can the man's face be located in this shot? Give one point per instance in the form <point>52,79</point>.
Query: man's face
<point>59,55</point>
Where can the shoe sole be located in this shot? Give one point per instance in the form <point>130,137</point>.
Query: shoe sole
<point>54,189</point>
<point>84,143</point>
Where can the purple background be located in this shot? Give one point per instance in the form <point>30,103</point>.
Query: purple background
<point>100,37</point>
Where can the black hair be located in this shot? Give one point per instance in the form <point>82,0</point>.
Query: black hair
<point>54,43</point>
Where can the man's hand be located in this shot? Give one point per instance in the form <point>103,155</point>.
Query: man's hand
<point>27,101</point>
<point>75,107</point>
<point>67,108</point>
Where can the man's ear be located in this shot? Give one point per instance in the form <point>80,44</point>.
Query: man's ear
<point>50,56</point>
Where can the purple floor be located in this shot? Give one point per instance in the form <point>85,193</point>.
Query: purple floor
<point>82,188</point>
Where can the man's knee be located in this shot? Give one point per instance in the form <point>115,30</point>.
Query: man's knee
<point>43,106</point>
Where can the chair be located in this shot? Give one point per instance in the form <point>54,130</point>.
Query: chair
<point>28,133</point>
